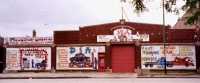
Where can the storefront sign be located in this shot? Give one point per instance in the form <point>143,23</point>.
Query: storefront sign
<point>28,40</point>
<point>85,57</point>
<point>177,57</point>
<point>124,35</point>
<point>28,58</point>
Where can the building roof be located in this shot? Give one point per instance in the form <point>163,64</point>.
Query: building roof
<point>104,24</point>
<point>181,23</point>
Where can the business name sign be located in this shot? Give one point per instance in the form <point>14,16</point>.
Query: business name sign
<point>28,40</point>
<point>122,35</point>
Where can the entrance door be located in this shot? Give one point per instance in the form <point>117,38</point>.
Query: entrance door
<point>101,62</point>
<point>123,58</point>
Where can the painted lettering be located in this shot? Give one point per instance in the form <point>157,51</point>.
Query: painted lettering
<point>87,50</point>
<point>72,50</point>
<point>151,52</point>
<point>149,59</point>
<point>126,31</point>
<point>167,52</point>
<point>168,47</point>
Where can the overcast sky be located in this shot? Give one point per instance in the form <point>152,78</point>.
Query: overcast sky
<point>18,18</point>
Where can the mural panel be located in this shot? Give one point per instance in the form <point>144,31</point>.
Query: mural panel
<point>177,57</point>
<point>85,57</point>
<point>32,58</point>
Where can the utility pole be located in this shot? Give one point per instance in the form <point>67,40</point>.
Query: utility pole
<point>164,36</point>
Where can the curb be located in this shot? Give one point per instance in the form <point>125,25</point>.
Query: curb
<point>96,77</point>
<point>59,77</point>
<point>168,77</point>
<point>41,77</point>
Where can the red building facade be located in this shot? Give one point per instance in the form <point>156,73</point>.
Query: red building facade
<point>119,46</point>
<point>126,46</point>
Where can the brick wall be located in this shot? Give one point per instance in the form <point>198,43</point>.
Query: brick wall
<point>180,36</point>
<point>88,35</point>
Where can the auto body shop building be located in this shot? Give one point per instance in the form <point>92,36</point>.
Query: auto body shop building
<point>124,46</point>
<point>119,46</point>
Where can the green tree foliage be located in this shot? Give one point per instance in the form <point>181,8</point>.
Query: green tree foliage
<point>192,7</point>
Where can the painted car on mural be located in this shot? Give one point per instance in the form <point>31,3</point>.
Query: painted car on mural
<point>186,61</point>
<point>160,61</point>
<point>80,60</point>
<point>40,64</point>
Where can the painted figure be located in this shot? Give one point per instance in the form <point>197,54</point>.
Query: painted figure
<point>32,63</point>
<point>95,63</point>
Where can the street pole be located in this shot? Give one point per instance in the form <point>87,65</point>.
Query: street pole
<point>164,37</point>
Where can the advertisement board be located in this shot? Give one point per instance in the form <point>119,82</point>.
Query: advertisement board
<point>177,57</point>
<point>29,58</point>
<point>85,57</point>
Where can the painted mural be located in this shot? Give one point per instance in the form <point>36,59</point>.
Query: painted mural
<point>85,57</point>
<point>122,35</point>
<point>177,57</point>
<point>32,58</point>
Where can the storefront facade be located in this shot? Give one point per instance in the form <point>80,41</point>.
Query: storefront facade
<point>27,53</point>
<point>126,46</point>
<point>116,47</point>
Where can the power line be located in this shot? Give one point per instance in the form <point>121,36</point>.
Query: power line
<point>123,11</point>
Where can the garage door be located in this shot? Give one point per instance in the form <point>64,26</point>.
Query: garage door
<point>123,58</point>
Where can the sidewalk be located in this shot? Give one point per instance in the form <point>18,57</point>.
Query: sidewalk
<point>48,75</point>
<point>66,75</point>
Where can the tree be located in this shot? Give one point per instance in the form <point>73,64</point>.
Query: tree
<point>192,7</point>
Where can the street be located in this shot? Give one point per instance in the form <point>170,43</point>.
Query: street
<point>104,80</point>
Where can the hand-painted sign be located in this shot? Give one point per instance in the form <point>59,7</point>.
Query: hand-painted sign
<point>78,57</point>
<point>177,57</point>
<point>28,40</point>
<point>124,35</point>
<point>28,58</point>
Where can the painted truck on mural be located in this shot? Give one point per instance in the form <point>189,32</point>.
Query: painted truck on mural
<point>186,61</point>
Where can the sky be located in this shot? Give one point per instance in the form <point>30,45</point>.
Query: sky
<point>18,18</point>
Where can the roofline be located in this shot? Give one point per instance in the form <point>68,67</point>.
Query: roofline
<point>125,23</point>
<point>65,30</point>
<point>99,24</point>
<point>147,23</point>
